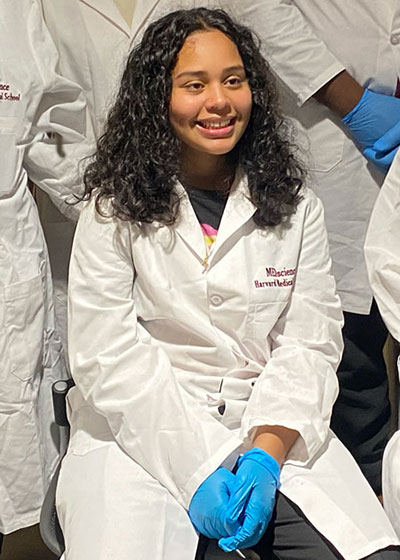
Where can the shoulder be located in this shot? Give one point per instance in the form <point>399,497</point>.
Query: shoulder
<point>97,220</point>
<point>309,204</point>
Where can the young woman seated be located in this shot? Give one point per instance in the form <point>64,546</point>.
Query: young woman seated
<point>204,325</point>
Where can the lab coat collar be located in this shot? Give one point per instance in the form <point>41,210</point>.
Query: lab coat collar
<point>239,209</point>
<point>141,17</point>
<point>110,11</point>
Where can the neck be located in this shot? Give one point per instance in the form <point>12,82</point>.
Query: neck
<point>207,171</point>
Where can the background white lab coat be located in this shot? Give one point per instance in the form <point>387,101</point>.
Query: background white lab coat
<point>93,40</point>
<point>382,252</point>
<point>307,42</point>
<point>42,104</point>
<point>146,405</point>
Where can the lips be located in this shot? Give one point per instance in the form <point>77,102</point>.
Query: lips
<point>216,125</point>
<point>221,128</point>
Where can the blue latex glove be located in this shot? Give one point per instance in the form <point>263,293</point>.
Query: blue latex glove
<point>253,498</point>
<point>372,117</point>
<point>207,509</point>
<point>383,151</point>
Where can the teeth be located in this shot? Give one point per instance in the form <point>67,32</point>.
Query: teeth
<point>216,125</point>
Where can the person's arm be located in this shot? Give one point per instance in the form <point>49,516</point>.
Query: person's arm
<point>299,382</point>
<point>60,134</point>
<point>382,250</point>
<point>302,60</point>
<point>123,373</point>
<point>341,94</point>
<point>288,413</point>
<point>275,440</point>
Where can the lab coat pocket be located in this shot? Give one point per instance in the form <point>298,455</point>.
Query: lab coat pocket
<point>326,145</point>
<point>11,155</point>
<point>262,318</point>
<point>24,326</point>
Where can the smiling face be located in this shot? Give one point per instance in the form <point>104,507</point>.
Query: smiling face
<point>211,98</point>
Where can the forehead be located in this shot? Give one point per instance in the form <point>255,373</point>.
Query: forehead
<point>203,48</point>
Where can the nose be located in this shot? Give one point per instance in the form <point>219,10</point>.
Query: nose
<point>217,100</point>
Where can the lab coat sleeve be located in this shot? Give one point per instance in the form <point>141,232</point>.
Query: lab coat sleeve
<point>382,250</point>
<point>298,386</point>
<point>296,54</point>
<point>124,375</point>
<point>61,111</point>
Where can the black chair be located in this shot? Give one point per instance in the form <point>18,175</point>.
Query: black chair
<point>50,529</point>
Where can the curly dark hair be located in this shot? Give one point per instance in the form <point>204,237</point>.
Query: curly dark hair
<point>137,163</point>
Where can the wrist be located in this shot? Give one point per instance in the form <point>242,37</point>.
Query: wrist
<point>341,94</point>
<point>275,440</point>
<point>265,460</point>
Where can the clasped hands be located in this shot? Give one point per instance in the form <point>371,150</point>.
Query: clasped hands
<point>236,508</point>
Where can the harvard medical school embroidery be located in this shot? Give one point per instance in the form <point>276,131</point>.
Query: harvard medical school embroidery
<point>276,278</point>
<point>7,95</point>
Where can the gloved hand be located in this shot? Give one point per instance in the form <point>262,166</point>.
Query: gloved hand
<point>383,151</point>
<point>207,509</point>
<point>372,117</point>
<point>253,498</point>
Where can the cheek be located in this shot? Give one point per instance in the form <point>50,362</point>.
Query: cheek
<point>182,110</point>
<point>244,104</point>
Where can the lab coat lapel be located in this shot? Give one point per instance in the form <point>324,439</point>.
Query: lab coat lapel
<point>239,210</point>
<point>188,227</point>
<point>109,10</point>
<point>141,16</point>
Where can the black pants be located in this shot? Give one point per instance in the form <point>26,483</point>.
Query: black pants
<point>290,536</point>
<point>361,415</point>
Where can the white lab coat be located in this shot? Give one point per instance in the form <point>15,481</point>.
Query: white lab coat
<point>307,42</point>
<point>34,103</point>
<point>382,250</point>
<point>92,39</point>
<point>158,343</point>
<point>382,253</point>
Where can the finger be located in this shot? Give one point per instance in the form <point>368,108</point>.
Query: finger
<point>379,159</point>
<point>237,501</point>
<point>389,140</point>
<point>249,533</point>
<point>242,539</point>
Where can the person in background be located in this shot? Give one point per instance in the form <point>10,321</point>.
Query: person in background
<point>203,396</point>
<point>42,134</point>
<point>382,253</point>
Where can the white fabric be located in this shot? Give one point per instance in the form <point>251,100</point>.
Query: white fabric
<point>382,253</point>
<point>307,42</point>
<point>148,390</point>
<point>35,103</point>
<point>382,250</point>
<point>93,40</point>
<point>391,481</point>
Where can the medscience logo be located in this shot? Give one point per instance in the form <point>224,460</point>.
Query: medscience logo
<point>277,278</point>
<point>6,94</point>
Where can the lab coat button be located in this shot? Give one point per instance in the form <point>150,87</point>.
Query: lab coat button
<point>216,300</point>
<point>395,39</point>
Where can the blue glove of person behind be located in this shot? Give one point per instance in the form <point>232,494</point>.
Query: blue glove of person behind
<point>207,509</point>
<point>383,151</point>
<point>372,117</point>
<point>252,501</point>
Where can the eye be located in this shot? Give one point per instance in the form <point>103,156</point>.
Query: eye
<point>234,81</point>
<point>194,86</point>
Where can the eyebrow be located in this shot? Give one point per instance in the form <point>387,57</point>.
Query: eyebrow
<point>200,73</point>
